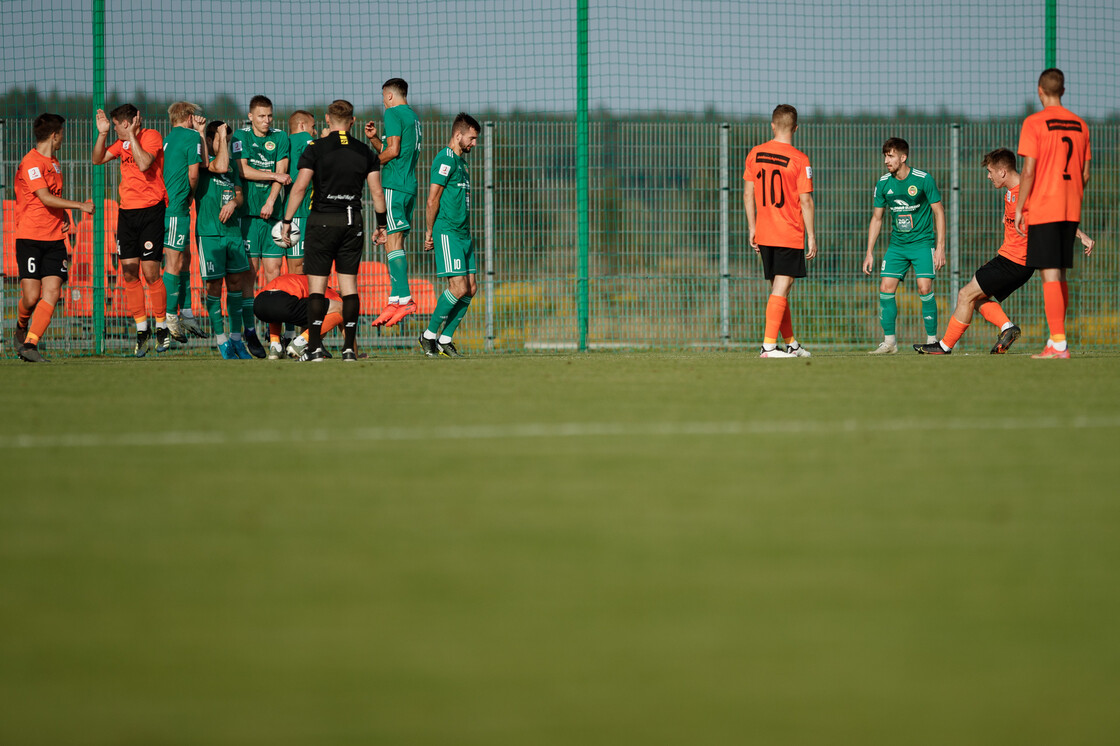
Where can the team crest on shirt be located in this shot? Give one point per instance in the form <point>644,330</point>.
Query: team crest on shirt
<point>34,173</point>
<point>270,145</point>
<point>127,145</point>
<point>912,191</point>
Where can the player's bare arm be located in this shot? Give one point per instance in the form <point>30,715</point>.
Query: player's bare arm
<point>392,149</point>
<point>274,190</point>
<point>938,209</point>
<point>251,174</point>
<point>1026,182</point>
<point>752,213</point>
<point>431,211</point>
<point>143,158</point>
<point>220,163</point>
<point>873,231</point>
<point>59,203</point>
<point>100,156</point>
<point>374,140</point>
<point>295,198</point>
<point>808,213</point>
<point>377,194</point>
<point>1085,175</point>
<point>230,208</point>
<point>1087,242</point>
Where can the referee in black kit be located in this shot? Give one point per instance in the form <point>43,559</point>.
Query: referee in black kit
<point>335,167</point>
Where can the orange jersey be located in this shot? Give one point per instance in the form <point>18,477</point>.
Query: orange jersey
<point>1058,140</point>
<point>781,174</point>
<point>1014,246</point>
<point>296,285</point>
<point>34,219</point>
<point>141,188</point>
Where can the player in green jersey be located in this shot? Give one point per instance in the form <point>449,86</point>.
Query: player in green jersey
<point>448,222</point>
<point>262,156</point>
<point>301,131</point>
<point>917,239</point>
<point>221,250</point>
<point>182,154</point>
<point>398,152</point>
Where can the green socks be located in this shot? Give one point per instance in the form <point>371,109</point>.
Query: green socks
<point>247,317</point>
<point>444,307</point>
<point>233,303</point>
<point>214,311</point>
<point>185,299</point>
<point>888,313</point>
<point>171,282</point>
<point>457,315</point>
<point>929,313</point>
<point>398,274</point>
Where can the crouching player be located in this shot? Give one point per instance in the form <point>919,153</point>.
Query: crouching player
<point>1000,277</point>
<point>221,250</point>
<point>284,301</point>
<point>42,222</point>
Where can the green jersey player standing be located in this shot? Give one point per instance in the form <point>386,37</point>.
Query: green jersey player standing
<point>917,240</point>
<point>262,155</point>
<point>398,152</point>
<point>448,221</point>
<point>182,154</point>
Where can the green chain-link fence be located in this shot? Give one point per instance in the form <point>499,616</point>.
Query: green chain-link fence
<point>607,201</point>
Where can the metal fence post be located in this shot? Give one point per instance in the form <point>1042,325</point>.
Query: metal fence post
<point>583,199</point>
<point>955,213</point>
<point>488,230</point>
<point>1051,33</point>
<point>98,178</point>
<point>724,234</point>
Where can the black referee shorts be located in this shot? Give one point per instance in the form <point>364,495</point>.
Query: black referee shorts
<point>1050,245</point>
<point>779,260</point>
<point>278,307</point>
<point>330,240</point>
<point>1001,277</point>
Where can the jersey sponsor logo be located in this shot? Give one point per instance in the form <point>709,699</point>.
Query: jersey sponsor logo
<point>445,169</point>
<point>902,203</point>
<point>1063,124</point>
<point>773,158</point>
<point>270,145</point>
<point>912,190</point>
<point>34,173</point>
<point>808,172</point>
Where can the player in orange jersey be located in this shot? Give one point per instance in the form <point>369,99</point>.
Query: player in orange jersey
<point>778,197</point>
<point>1054,144</point>
<point>284,301</point>
<point>1000,277</point>
<point>42,222</point>
<point>140,224</point>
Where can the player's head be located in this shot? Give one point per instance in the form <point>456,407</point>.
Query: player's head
<point>394,92</point>
<point>1001,166</point>
<point>182,111</point>
<point>340,114</point>
<point>464,131</point>
<point>47,126</point>
<point>122,117</point>
<point>895,152</point>
<point>260,114</point>
<point>212,130</point>
<point>1051,84</point>
<point>784,119</point>
<point>301,121</point>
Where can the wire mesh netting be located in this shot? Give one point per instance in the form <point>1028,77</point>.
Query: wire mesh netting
<point>676,97</point>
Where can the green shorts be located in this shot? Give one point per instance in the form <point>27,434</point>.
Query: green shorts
<point>295,251</point>
<point>257,233</point>
<point>899,259</point>
<point>454,254</point>
<point>219,256</point>
<point>177,232</point>
<point>398,208</point>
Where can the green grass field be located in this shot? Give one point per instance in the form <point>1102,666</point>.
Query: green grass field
<point>589,549</point>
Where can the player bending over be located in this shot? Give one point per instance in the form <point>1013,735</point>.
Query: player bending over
<point>284,301</point>
<point>42,224</point>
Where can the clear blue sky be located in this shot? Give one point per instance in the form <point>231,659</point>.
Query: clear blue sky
<point>737,58</point>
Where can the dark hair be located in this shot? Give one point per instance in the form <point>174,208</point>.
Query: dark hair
<point>397,84</point>
<point>1000,157</point>
<point>340,108</point>
<point>212,129</point>
<point>46,125</point>
<point>463,122</point>
<point>785,116</point>
<point>124,113</point>
<point>259,100</point>
<point>897,144</point>
<point>1052,81</point>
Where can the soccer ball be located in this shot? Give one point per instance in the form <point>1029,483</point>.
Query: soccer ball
<point>293,236</point>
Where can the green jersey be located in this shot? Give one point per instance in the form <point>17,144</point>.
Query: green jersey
<point>908,201</point>
<point>212,194</point>
<point>399,174</point>
<point>299,141</point>
<point>262,153</point>
<point>450,172</point>
<point>182,148</point>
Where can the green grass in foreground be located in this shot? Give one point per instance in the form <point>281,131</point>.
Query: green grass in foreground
<point>826,571</point>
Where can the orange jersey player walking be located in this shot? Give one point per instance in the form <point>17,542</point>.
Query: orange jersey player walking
<point>140,224</point>
<point>42,224</point>
<point>1054,144</point>
<point>778,197</point>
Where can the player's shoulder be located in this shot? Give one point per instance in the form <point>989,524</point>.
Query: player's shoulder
<point>920,174</point>
<point>885,177</point>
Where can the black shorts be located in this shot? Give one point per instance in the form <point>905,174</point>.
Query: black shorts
<point>278,307</point>
<point>1050,245</point>
<point>140,234</point>
<point>329,240</point>
<point>778,260</point>
<point>39,259</point>
<point>1001,277</point>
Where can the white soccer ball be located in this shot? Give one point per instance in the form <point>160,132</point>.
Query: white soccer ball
<point>293,236</point>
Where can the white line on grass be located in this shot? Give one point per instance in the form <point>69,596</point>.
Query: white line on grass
<point>544,430</point>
